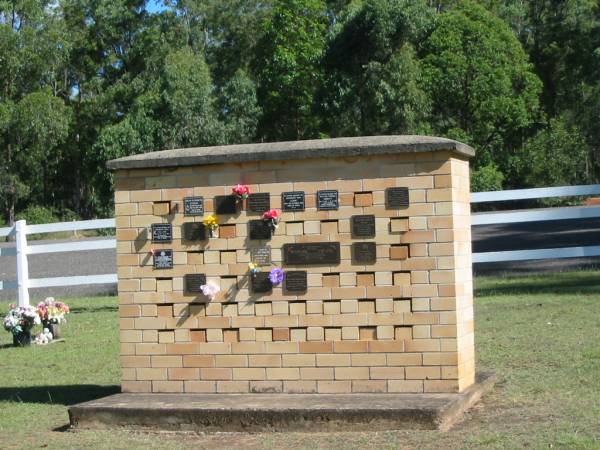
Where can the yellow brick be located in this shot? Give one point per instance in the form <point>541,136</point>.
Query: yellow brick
<point>166,337</point>
<point>350,333</point>
<point>288,373</point>
<point>315,334</point>
<point>265,360</point>
<point>423,373</point>
<point>298,334</point>
<point>294,228</point>
<point>161,208</point>
<point>333,334</point>
<point>385,332</point>
<point>405,386</point>
<point>264,335</point>
<point>334,387</point>
<point>301,360</point>
<point>349,306</point>
<point>315,307</point>
<point>351,373</point>
<point>164,285</point>
<point>384,305</point>
<point>333,307</point>
<point>214,335</point>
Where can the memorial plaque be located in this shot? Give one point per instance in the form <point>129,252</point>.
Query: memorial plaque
<point>226,204</point>
<point>259,203</point>
<point>292,201</point>
<point>194,231</point>
<point>364,253</point>
<point>363,226</point>
<point>162,232</point>
<point>259,229</point>
<point>261,255</point>
<point>296,281</point>
<point>320,253</point>
<point>328,200</point>
<point>193,206</point>
<point>261,284</point>
<point>396,197</point>
<point>194,281</point>
<point>163,259</point>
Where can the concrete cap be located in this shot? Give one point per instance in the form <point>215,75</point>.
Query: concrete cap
<point>318,148</point>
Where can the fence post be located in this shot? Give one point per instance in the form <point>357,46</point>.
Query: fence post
<point>22,267</point>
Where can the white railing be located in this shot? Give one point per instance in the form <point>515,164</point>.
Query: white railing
<point>538,215</point>
<point>22,248</point>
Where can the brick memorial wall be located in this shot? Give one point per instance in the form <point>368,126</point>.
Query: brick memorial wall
<point>374,239</point>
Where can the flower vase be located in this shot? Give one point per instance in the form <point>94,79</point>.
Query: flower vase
<point>54,328</point>
<point>22,339</point>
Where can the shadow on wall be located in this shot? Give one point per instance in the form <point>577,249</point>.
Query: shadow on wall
<point>60,395</point>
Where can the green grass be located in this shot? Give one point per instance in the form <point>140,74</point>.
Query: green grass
<point>540,334</point>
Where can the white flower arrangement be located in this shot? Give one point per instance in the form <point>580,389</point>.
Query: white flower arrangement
<point>20,319</point>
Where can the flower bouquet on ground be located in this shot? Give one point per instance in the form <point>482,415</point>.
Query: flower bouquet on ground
<point>19,321</point>
<point>52,315</point>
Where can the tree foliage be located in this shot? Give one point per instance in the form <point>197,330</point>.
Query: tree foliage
<point>85,81</point>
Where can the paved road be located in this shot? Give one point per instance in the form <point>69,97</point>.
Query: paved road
<point>486,238</point>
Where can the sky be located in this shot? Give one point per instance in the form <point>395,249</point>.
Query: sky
<point>155,6</point>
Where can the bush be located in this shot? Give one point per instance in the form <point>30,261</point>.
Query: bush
<point>486,178</point>
<point>38,214</point>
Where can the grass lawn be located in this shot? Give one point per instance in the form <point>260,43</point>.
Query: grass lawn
<point>540,334</point>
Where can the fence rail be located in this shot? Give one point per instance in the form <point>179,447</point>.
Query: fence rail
<point>22,248</point>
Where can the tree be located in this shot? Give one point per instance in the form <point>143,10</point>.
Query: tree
<point>483,87</point>
<point>288,70</point>
<point>372,71</point>
<point>33,121</point>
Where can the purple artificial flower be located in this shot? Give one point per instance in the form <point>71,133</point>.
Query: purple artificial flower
<point>276,276</point>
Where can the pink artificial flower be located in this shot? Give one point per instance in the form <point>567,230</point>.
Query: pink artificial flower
<point>241,190</point>
<point>272,214</point>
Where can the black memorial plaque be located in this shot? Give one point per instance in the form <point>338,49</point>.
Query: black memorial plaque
<point>363,226</point>
<point>259,203</point>
<point>259,229</point>
<point>364,253</point>
<point>226,204</point>
<point>194,231</point>
<point>162,232</point>
<point>328,200</point>
<point>296,281</point>
<point>396,197</point>
<point>321,253</point>
<point>163,259</point>
<point>261,284</point>
<point>261,255</point>
<point>194,281</point>
<point>193,206</point>
<point>292,201</point>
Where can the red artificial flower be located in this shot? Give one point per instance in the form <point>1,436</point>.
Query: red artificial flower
<point>272,214</point>
<point>240,190</point>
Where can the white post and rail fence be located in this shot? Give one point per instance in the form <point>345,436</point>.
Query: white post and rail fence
<point>22,249</point>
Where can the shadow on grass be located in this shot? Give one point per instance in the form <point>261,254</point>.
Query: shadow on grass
<point>61,395</point>
<point>576,283</point>
<point>93,309</point>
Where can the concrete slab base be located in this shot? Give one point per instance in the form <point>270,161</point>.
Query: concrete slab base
<point>278,412</point>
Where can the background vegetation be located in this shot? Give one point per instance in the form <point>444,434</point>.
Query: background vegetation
<point>84,81</point>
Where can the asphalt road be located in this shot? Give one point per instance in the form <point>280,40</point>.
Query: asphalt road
<point>486,238</point>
